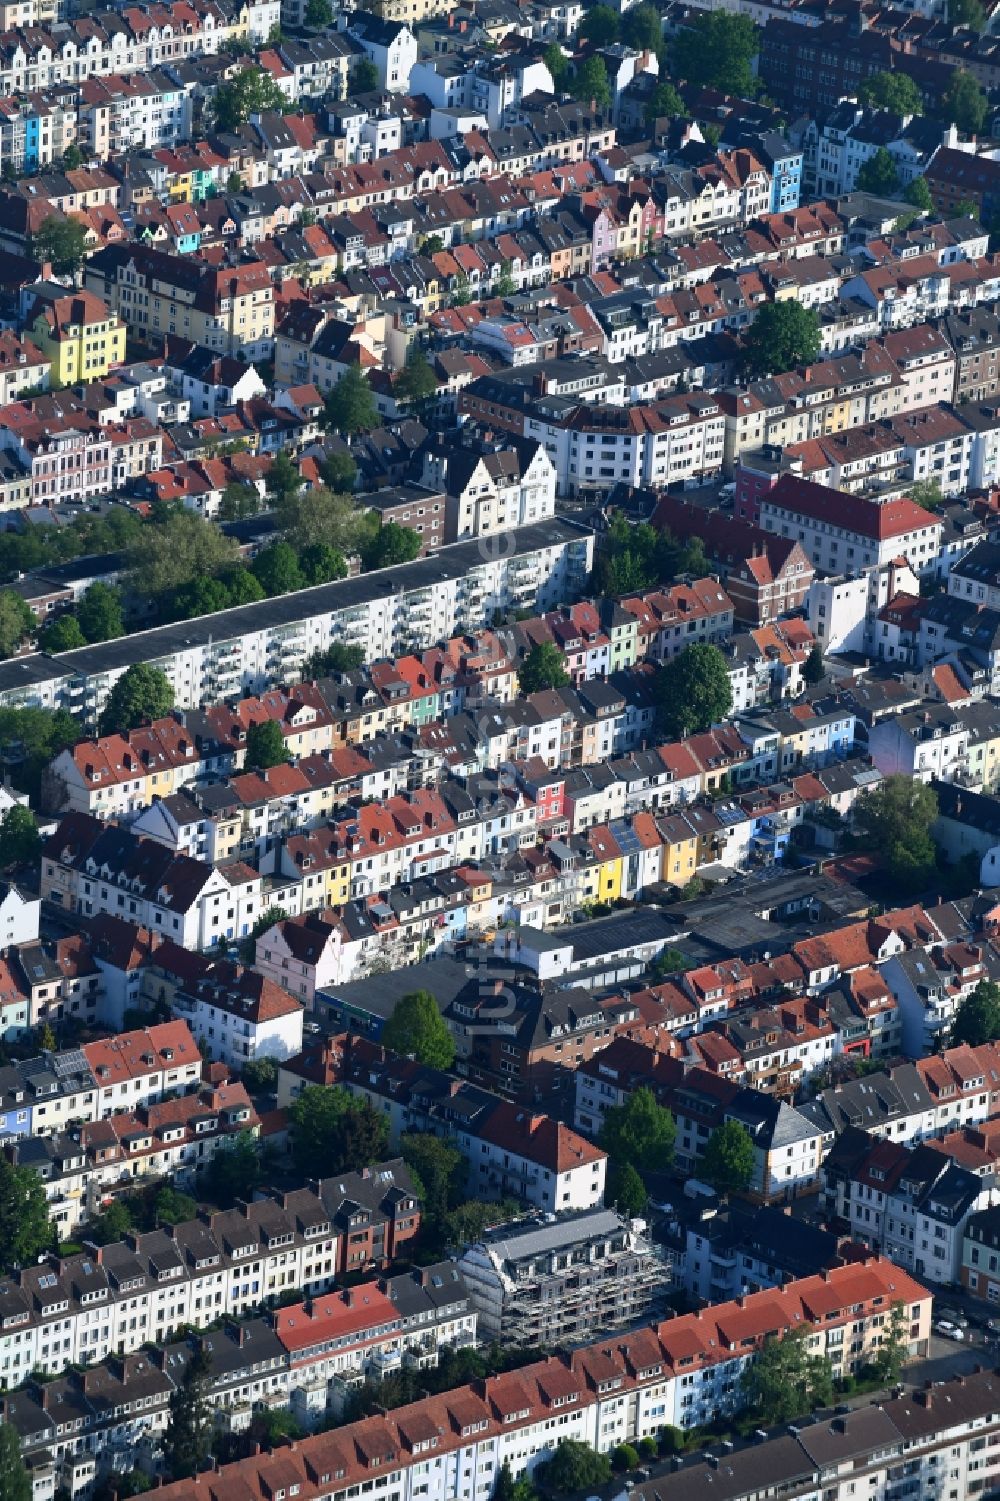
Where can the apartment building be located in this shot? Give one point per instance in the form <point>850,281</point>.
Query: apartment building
<point>229,310</point>
<point>841,532</point>
<point>305,1356</point>
<point>555,1284</point>
<point>912,1204</point>
<point>76,332</point>
<point>113,1299</point>
<point>254,647</point>
<point>676,1373</point>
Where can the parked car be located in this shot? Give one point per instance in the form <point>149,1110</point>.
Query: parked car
<point>948,1330</point>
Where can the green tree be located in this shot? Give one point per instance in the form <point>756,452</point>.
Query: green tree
<point>25,1229</point>
<point>16,622</point>
<point>253,91</point>
<point>187,1440</point>
<point>30,739</point>
<point>624,1457</point>
<point>728,1159</point>
<point>365,77</point>
<point>318,14</point>
<point>72,158</point>
<point>431,245</point>
<point>693,690</point>
<point>438,1169</point>
<point>336,659</point>
<point>319,563</point>
<point>590,83</point>
<point>235,183</point>
<point>349,406</point>
<point>320,515</point>
<point>15,1482</point>
<point>784,1381</point>
<point>468,1222</point>
<point>575,1466</point>
<point>895,818</point>
<point>641,1132</point>
<point>47,1038</point>
<point>388,545</point>
<point>171,1207</point>
<point>283,480</point>
<point>200,596</point>
<point>967,13</point>
<point>417,1028</point>
<point>339,471</point>
<point>416,382</point>
<point>977,1017</point>
<point>276,569</point>
<point>664,104</point>
<point>543,667</point>
<point>625,1189</point>
<point>895,1347</point>
<point>242,587</point>
<point>896,92</point>
<point>461,294</point>
<point>331,1132</point>
<point>964,104</point>
<point>183,546</point>
<point>111,1225</point>
<point>642,28</point>
<point>142,692</point>
<point>717,51</point>
<point>557,63</point>
<point>62,242</point>
<point>782,335</point>
<point>918,194</point>
<point>878,175</point>
<point>232,1172</point>
<point>814,668</point>
<point>61,634</point>
<point>20,841</point>
<point>265,746</point>
<point>100,613</point>
<point>599,26</point>
<point>927,493</point>
<point>260,1076</point>
<point>238,502</point>
<point>266,921</point>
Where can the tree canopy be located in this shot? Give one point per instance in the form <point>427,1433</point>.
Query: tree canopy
<point>265,746</point>
<point>175,551</point>
<point>15,1482</point>
<point>814,668</point>
<point>894,91</point>
<point>664,104</point>
<point>693,690</point>
<point>16,622</point>
<point>977,1017</point>
<point>141,693</point>
<point>968,13</point>
<point>365,76</point>
<point>62,242</point>
<point>385,544</point>
<point>894,819</point>
<point>416,382</point>
<point>25,1228</point>
<point>918,194</point>
<point>590,82</point>
<point>557,63</point>
<point>575,1466</point>
<point>717,50</point>
<point>625,1189</point>
<point>781,336</point>
<point>784,1381</point>
<point>878,175</point>
<point>635,558</point>
<point>416,1027</point>
<point>642,28</point>
<point>438,1169</point>
<point>641,1132</point>
<point>20,841</point>
<point>727,1162</point>
<point>253,91</point>
<point>349,406</point>
<point>543,667</point>
<point>964,104</point>
<point>318,13</point>
<point>234,1170</point>
<point>61,634</point>
<point>331,1132</point>
<point>599,26</point>
<point>187,1440</point>
<point>320,516</point>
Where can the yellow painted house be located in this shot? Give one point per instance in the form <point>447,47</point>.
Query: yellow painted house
<point>601,877</point>
<point>78,332</point>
